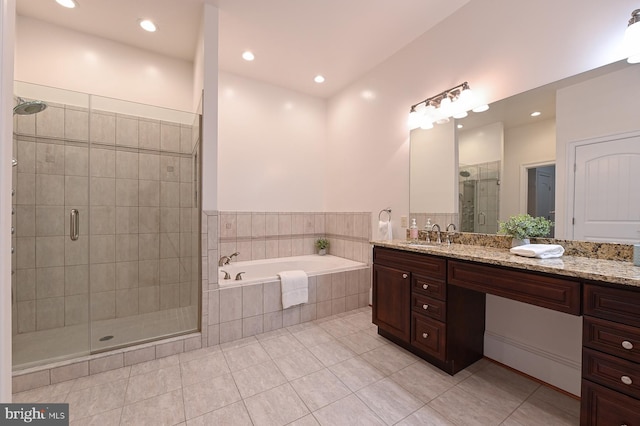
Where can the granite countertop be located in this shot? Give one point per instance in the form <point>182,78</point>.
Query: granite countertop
<point>611,271</point>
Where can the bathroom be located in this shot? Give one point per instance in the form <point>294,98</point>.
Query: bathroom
<point>348,137</point>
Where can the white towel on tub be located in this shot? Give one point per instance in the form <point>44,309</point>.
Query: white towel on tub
<point>295,288</point>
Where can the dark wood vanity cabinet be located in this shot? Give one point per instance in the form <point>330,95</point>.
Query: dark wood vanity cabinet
<point>414,307</point>
<point>610,356</point>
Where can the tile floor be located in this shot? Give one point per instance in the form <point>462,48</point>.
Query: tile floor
<point>334,371</point>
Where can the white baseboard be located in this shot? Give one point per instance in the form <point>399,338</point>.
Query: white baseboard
<point>559,371</point>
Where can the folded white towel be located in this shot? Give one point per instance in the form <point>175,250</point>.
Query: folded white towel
<point>385,230</point>
<point>295,288</point>
<point>541,251</point>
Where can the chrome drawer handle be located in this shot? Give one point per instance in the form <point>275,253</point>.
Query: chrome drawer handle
<point>425,335</point>
<point>626,380</point>
<point>404,275</point>
<point>425,286</point>
<point>425,307</point>
<point>627,345</point>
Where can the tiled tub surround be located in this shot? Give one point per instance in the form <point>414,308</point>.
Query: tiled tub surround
<point>260,235</point>
<point>132,180</point>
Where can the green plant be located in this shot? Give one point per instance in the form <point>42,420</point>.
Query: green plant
<point>322,243</point>
<point>523,226</point>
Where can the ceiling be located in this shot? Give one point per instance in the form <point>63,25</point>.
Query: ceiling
<point>293,40</point>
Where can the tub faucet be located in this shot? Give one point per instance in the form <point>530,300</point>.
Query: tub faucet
<point>231,256</point>
<point>449,233</point>
<point>435,225</point>
<point>224,260</point>
<point>226,275</point>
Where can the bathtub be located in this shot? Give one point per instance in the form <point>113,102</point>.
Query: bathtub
<point>266,270</point>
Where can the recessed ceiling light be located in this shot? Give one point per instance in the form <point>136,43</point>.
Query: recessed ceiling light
<point>69,4</point>
<point>460,126</point>
<point>248,56</point>
<point>318,79</point>
<point>148,25</point>
<point>535,113</point>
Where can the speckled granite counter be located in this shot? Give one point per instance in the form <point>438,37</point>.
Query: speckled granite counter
<point>612,271</point>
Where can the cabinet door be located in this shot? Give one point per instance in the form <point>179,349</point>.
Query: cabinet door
<point>392,301</point>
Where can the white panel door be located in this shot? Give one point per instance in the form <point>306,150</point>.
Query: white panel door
<point>607,191</point>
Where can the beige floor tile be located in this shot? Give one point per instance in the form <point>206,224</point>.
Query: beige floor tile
<point>308,420</point>
<point>229,346</point>
<point>211,395</point>
<point>97,399</point>
<point>199,353</point>
<point>331,352</point>
<point>389,358</point>
<point>108,418</point>
<point>278,406</point>
<point>298,364</point>
<point>545,395</point>
<point>51,393</point>
<point>246,356</point>
<point>153,383</point>
<point>232,415</point>
<point>282,345</point>
<point>426,416</point>
<point>464,408</point>
<point>389,400</point>
<point>541,414</point>
<point>166,409</point>
<point>347,411</point>
<point>258,378</point>
<point>319,389</point>
<point>312,336</point>
<point>338,327</point>
<point>414,377</point>
<point>361,342</point>
<point>271,334</point>
<point>156,364</point>
<point>204,368</point>
<point>356,373</point>
<point>98,379</point>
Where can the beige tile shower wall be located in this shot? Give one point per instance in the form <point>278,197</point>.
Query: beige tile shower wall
<point>136,186</point>
<point>260,235</point>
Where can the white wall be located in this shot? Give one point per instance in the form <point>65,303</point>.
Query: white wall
<point>606,105</point>
<point>272,148</point>
<point>481,145</point>
<point>524,145</point>
<point>488,44</point>
<point>7,23</point>
<point>45,52</point>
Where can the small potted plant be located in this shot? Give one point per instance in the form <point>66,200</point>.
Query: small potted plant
<point>322,244</point>
<point>523,226</point>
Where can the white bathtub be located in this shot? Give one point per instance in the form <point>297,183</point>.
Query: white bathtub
<point>266,270</point>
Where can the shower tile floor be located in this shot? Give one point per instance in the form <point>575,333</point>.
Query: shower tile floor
<point>334,371</point>
<point>57,344</point>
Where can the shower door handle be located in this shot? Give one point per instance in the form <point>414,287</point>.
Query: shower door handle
<point>74,222</point>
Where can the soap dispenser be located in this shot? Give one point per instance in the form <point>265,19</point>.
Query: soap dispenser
<point>413,230</point>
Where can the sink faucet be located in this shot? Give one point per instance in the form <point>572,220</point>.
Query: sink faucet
<point>435,225</point>
<point>449,234</point>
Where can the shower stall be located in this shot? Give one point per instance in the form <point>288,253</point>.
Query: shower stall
<point>106,224</point>
<point>479,197</point>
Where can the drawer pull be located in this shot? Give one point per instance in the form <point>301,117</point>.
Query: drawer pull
<point>425,286</point>
<point>627,345</point>
<point>425,335</point>
<point>626,380</point>
<point>425,307</point>
<point>404,275</point>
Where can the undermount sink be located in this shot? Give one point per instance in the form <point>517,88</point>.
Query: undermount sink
<point>420,243</point>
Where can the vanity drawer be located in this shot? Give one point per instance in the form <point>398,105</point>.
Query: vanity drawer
<point>428,335</point>
<point>613,338</point>
<point>429,306</point>
<point>429,286</point>
<point>615,373</point>
<point>603,407</point>
<point>612,303</point>
<point>422,264</point>
<point>546,291</point>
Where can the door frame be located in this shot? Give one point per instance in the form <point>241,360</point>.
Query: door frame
<point>570,201</point>
<point>524,189</point>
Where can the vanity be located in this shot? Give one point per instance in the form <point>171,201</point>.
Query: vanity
<point>430,299</point>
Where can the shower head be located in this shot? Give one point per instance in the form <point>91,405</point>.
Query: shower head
<point>29,107</point>
<point>465,173</point>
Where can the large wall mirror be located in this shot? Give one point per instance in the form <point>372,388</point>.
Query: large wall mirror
<point>486,167</point>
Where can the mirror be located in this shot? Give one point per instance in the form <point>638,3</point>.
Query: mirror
<point>488,166</point>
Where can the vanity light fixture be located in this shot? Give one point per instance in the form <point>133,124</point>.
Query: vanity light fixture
<point>452,103</point>
<point>148,25</point>
<point>632,38</point>
<point>69,4</point>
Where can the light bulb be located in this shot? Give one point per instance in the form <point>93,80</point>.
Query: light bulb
<point>69,4</point>
<point>426,124</point>
<point>460,114</point>
<point>481,108</point>
<point>414,120</point>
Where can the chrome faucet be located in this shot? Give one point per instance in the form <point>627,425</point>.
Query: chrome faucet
<point>226,274</point>
<point>449,234</point>
<point>231,256</point>
<point>435,225</point>
<point>224,260</point>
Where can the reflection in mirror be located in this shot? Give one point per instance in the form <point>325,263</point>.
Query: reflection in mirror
<point>503,162</point>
